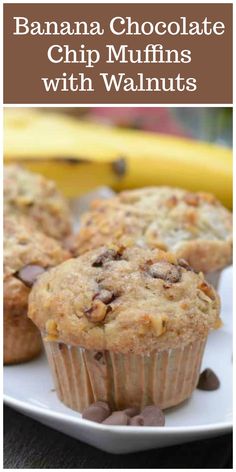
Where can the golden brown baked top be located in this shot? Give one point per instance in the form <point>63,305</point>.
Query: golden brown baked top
<point>194,226</point>
<point>27,253</point>
<point>125,300</point>
<point>34,196</point>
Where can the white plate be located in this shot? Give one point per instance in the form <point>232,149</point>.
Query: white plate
<point>29,389</point>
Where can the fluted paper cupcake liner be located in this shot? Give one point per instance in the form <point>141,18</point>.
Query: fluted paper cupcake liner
<point>22,341</point>
<point>163,378</point>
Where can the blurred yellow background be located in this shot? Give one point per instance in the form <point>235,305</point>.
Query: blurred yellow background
<point>83,148</point>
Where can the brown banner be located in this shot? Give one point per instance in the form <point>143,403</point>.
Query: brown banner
<point>117,53</point>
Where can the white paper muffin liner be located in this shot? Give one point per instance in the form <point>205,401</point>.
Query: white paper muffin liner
<point>213,278</point>
<point>163,378</point>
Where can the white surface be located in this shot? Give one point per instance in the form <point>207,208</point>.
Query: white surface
<point>29,389</point>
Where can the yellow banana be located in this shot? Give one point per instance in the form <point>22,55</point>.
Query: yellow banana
<point>80,155</point>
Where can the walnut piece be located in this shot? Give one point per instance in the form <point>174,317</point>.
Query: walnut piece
<point>165,271</point>
<point>97,312</point>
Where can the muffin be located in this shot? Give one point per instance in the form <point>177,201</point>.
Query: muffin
<point>124,325</point>
<point>31,195</point>
<point>195,226</point>
<point>27,253</point>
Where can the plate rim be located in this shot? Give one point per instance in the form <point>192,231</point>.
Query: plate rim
<point>21,405</point>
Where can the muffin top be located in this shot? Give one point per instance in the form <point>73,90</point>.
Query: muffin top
<point>32,195</point>
<point>27,254</point>
<point>124,300</point>
<point>195,226</point>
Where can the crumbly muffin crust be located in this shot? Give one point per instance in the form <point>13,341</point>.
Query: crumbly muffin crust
<point>124,300</point>
<point>195,226</point>
<point>30,194</point>
<point>25,247</point>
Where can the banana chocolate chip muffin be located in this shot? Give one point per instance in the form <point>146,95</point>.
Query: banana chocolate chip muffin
<point>27,254</point>
<point>195,226</point>
<point>31,195</point>
<point>124,325</point>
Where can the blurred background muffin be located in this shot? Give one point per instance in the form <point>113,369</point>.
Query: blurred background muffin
<point>31,195</point>
<point>27,254</point>
<point>195,226</point>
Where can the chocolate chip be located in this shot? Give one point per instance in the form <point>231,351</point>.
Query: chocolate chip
<point>165,271</point>
<point>29,274</point>
<point>153,416</point>
<point>108,255</point>
<point>150,416</point>
<point>132,411</point>
<point>118,418</point>
<point>98,356</point>
<point>208,380</point>
<point>136,421</point>
<point>183,263</point>
<point>106,296</point>
<point>97,412</point>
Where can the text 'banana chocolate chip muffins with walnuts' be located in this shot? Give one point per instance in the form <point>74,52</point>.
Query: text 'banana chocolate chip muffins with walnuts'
<point>195,226</point>
<point>27,254</point>
<point>37,198</point>
<point>124,325</point>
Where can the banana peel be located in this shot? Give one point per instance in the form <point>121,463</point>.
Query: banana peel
<point>80,155</point>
